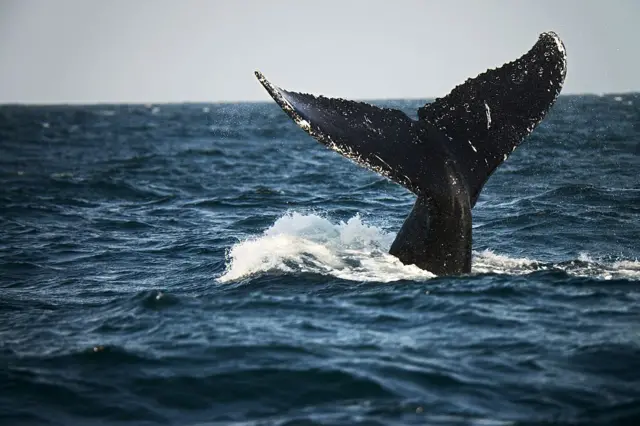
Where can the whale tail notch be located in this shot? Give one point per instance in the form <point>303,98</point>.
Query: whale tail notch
<point>446,156</point>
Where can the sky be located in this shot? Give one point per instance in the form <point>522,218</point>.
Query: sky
<point>150,51</point>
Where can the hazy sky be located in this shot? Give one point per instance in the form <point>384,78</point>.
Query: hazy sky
<point>189,50</point>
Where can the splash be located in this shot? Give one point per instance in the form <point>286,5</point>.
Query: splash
<point>356,251</point>
<point>349,250</point>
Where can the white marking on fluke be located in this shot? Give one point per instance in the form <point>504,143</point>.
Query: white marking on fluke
<point>304,124</point>
<point>285,104</point>
<point>558,43</point>
<point>383,162</point>
<point>474,148</point>
<point>488,111</point>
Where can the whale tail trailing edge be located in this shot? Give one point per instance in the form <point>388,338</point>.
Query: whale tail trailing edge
<point>446,156</point>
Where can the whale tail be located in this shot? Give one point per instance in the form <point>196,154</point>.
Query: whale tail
<point>446,156</point>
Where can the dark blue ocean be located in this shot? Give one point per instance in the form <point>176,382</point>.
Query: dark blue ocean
<point>211,264</point>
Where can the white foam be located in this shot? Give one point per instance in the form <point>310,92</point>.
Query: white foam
<point>310,243</point>
<point>487,261</point>
<point>625,269</point>
<point>356,251</point>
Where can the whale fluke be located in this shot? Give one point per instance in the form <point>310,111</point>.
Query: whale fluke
<point>446,156</point>
<point>489,116</point>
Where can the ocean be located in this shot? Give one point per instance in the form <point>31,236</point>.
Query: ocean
<point>211,264</point>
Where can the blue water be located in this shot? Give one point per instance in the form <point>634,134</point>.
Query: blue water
<point>212,264</point>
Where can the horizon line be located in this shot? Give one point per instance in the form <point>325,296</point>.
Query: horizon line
<point>241,101</point>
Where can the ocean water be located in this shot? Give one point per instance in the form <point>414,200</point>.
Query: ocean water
<point>211,264</point>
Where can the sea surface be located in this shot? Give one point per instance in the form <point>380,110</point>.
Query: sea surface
<point>211,264</point>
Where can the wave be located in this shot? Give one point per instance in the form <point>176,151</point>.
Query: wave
<point>356,251</point>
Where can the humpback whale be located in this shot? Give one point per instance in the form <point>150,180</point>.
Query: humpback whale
<point>445,156</point>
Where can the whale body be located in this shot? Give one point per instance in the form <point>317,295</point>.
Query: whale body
<point>445,156</point>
